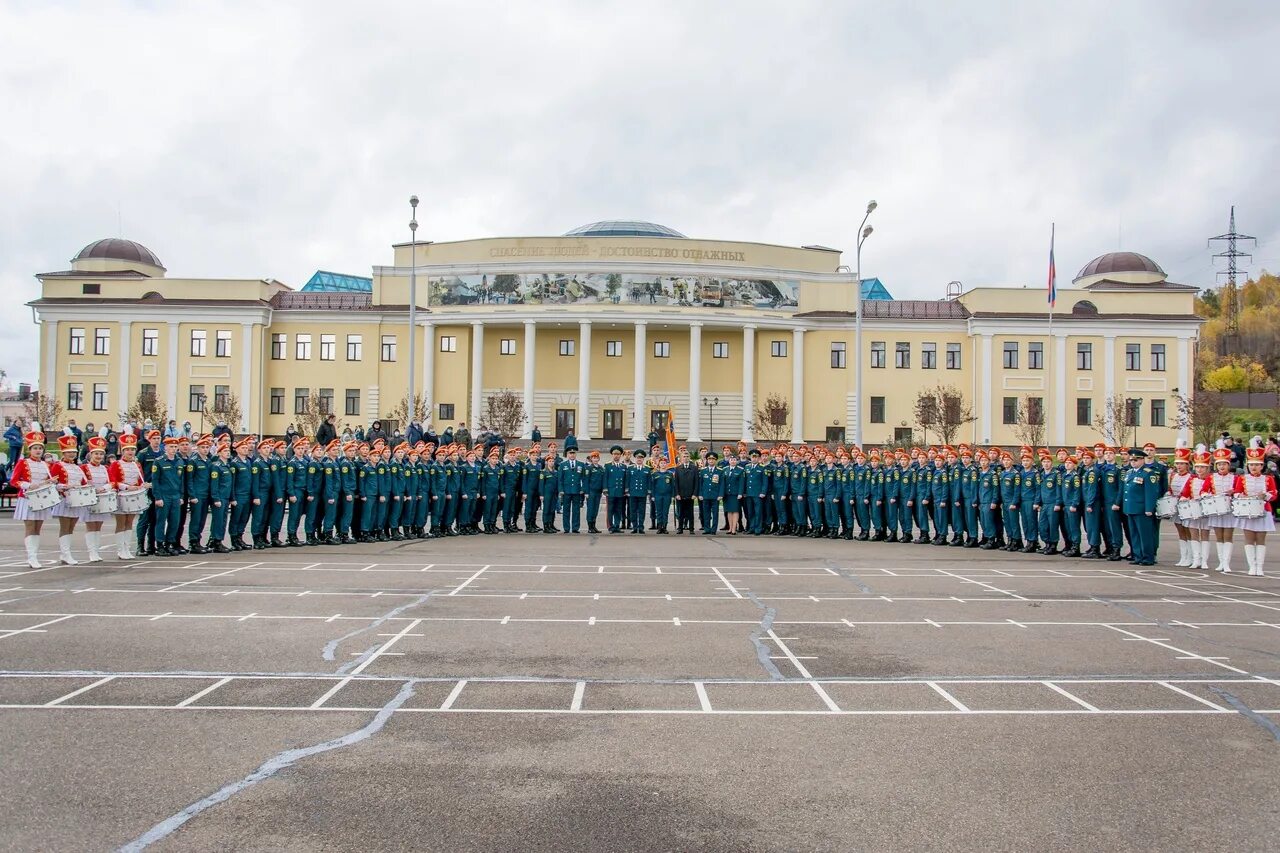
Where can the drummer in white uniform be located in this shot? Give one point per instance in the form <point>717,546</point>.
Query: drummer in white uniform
<point>1177,485</point>
<point>1197,485</point>
<point>1255,484</point>
<point>126,476</point>
<point>30,475</point>
<point>1223,523</point>
<point>69,475</point>
<point>98,476</point>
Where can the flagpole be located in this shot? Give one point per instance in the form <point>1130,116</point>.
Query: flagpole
<point>1053,301</point>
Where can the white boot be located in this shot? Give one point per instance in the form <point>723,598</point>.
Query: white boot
<point>64,551</point>
<point>33,551</point>
<point>122,546</point>
<point>1184,554</point>
<point>1206,545</point>
<point>91,539</point>
<point>1226,558</point>
<point>1218,547</point>
<point>1259,554</point>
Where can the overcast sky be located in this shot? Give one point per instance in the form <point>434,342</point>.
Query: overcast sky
<point>274,139</point>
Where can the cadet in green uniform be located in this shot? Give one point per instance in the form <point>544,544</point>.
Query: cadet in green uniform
<point>798,489</point>
<point>1048,505</point>
<point>1071,507</point>
<point>549,489</point>
<point>197,491</point>
<point>147,519</point>
<point>1030,502</point>
<point>595,479</point>
<point>663,483</point>
<point>241,467</point>
<point>988,499</point>
<point>710,493</point>
<point>969,486</point>
<point>165,475</point>
<point>281,489</point>
<point>221,488</point>
<point>531,486</point>
<point>300,503</point>
<point>754,488</point>
<point>1010,502</point>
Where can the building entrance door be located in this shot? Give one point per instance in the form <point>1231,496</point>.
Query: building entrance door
<point>835,435</point>
<point>658,420</point>
<point>613,424</point>
<point>566,419</point>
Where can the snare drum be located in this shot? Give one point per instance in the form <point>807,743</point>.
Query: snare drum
<point>134,502</point>
<point>106,504</point>
<point>1167,507</point>
<point>1249,508</point>
<point>82,496</point>
<point>1189,510</point>
<point>1216,504</point>
<point>43,497</point>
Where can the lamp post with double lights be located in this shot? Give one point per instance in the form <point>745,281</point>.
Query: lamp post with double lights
<point>711,403</point>
<point>864,231</point>
<point>413,306</point>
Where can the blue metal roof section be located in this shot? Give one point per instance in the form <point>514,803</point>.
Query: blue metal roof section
<point>623,228</point>
<point>333,282</point>
<point>873,288</point>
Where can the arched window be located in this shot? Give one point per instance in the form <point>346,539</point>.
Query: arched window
<point>152,296</point>
<point>1084,306</point>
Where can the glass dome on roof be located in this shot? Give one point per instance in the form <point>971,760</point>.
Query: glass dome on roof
<point>623,228</point>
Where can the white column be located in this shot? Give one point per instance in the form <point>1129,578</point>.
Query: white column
<point>247,397</point>
<point>530,365</point>
<point>1184,379</point>
<point>583,428</point>
<point>125,353</point>
<point>477,372</point>
<point>748,381</point>
<point>50,375</point>
<point>173,372</point>
<point>429,368</point>
<point>695,382</point>
<point>797,387</point>
<point>1109,379</point>
<point>1059,344</point>
<point>984,408</point>
<point>639,429</point>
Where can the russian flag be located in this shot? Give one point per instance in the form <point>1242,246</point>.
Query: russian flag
<point>1053,271</point>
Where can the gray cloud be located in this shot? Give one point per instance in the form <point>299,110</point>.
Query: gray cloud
<point>274,140</point>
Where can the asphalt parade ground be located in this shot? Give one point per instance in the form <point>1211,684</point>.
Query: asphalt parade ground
<point>539,692</point>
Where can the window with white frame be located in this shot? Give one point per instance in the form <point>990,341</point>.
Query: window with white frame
<point>953,356</point>
<point>388,347</point>
<point>99,396</point>
<point>719,349</point>
<point>75,395</point>
<point>150,341</point>
<point>879,358</point>
<point>102,342</point>
<point>568,346</point>
<point>199,340</point>
<point>662,349</point>
<point>77,341</point>
<point>355,347</point>
<point>838,355</point>
<point>302,347</point>
<point>507,346</point>
<point>1157,363</point>
<point>613,349</point>
<point>222,343</point>
<point>279,346</point>
<point>778,349</point>
<point>929,355</point>
<point>328,347</point>
<point>448,343</point>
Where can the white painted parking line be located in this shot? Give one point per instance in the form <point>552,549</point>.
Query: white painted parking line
<point>205,692</point>
<point>578,690</point>
<point>959,706</point>
<point>74,693</point>
<point>328,694</point>
<point>32,628</point>
<point>447,704</point>
<point>460,587</point>
<point>728,585</point>
<point>703,701</point>
<point>1191,695</point>
<point>1074,698</point>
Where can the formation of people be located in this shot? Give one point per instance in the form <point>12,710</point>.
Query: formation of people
<point>200,495</point>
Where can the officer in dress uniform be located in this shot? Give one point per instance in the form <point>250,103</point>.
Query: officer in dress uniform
<point>1161,472</point>
<point>147,520</point>
<point>663,484</point>
<point>637,490</point>
<point>1141,491</point>
<point>710,493</point>
<point>530,478</point>
<point>615,486</point>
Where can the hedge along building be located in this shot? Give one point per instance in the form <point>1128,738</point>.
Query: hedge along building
<point>607,328</point>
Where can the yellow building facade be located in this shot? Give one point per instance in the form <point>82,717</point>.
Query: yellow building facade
<point>606,329</point>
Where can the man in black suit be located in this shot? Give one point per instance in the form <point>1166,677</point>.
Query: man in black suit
<point>686,483</point>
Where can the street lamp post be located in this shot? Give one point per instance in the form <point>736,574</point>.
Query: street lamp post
<point>200,398</point>
<point>864,231</point>
<point>711,403</point>
<point>413,306</point>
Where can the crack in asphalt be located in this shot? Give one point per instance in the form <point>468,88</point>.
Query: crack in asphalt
<point>757,636</point>
<point>331,647</point>
<point>849,576</point>
<point>269,768</point>
<point>1248,713</point>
